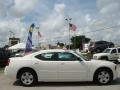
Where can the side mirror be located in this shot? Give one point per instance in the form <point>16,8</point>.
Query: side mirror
<point>79,59</point>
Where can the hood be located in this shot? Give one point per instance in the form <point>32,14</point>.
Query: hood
<point>100,54</point>
<point>102,62</point>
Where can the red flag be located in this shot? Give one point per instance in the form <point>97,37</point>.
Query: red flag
<point>39,34</point>
<point>72,27</point>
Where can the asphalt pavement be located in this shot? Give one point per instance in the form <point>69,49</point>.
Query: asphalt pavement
<point>9,84</point>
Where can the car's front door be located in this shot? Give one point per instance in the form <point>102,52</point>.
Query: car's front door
<point>71,69</point>
<point>47,67</point>
<point>114,54</point>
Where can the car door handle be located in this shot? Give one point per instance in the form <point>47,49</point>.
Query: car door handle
<point>36,63</point>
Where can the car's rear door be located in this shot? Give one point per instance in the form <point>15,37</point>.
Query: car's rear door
<point>47,67</point>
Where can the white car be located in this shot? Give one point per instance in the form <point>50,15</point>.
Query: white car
<point>59,66</point>
<point>110,54</point>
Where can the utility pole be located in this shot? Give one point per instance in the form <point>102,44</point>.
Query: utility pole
<point>69,22</point>
<point>38,37</point>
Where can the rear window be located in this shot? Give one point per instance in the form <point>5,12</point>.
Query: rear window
<point>47,56</point>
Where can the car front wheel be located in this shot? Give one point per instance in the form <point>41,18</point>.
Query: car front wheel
<point>27,78</point>
<point>103,76</point>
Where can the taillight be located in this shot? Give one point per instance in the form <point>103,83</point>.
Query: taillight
<point>7,62</point>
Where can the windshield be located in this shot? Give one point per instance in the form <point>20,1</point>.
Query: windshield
<point>82,56</point>
<point>106,51</point>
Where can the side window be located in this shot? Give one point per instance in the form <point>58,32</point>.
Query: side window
<point>48,56</point>
<point>118,50</point>
<point>114,51</point>
<point>65,56</point>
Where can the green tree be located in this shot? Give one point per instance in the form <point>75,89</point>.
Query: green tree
<point>78,41</point>
<point>60,44</point>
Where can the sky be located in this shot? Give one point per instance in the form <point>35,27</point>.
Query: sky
<point>102,16</point>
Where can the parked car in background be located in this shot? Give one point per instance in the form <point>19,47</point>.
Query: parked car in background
<point>4,56</point>
<point>58,65</point>
<point>99,46</point>
<point>85,47</point>
<point>111,54</point>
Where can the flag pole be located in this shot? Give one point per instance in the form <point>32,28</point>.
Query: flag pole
<point>38,41</point>
<point>69,36</point>
<point>38,37</point>
<point>69,22</point>
<point>75,40</point>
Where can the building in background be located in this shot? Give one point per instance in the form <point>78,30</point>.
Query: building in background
<point>13,41</point>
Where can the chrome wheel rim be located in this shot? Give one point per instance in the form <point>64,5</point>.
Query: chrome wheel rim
<point>103,77</point>
<point>27,78</point>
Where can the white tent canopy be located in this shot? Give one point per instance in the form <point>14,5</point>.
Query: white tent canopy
<point>19,46</point>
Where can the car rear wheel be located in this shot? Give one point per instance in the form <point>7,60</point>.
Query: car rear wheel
<point>103,76</point>
<point>27,78</point>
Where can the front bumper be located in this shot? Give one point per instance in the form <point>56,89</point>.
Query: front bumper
<point>116,73</point>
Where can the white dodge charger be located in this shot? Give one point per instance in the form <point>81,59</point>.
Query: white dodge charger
<point>59,66</point>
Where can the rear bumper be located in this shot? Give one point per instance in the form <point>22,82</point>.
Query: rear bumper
<point>10,72</point>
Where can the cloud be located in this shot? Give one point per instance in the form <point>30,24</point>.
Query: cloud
<point>53,26</point>
<point>14,25</point>
<point>59,7</point>
<point>87,18</point>
<point>23,7</point>
<point>17,15</point>
<point>109,8</point>
<point>108,16</point>
<point>11,13</point>
<point>4,7</point>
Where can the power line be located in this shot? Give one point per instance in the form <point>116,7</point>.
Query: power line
<point>102,29</point>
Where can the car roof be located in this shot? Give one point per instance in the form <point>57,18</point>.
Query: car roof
<point>48,50</point>
<point>53,50</point>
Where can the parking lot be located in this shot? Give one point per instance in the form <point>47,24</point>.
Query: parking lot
<point>9,84</point>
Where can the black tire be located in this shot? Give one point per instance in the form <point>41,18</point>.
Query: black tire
<point>103,76</point>
<point>27,77</point>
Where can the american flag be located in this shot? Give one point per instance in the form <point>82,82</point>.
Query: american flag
<point>28,48</point>
<point>72,27</point>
